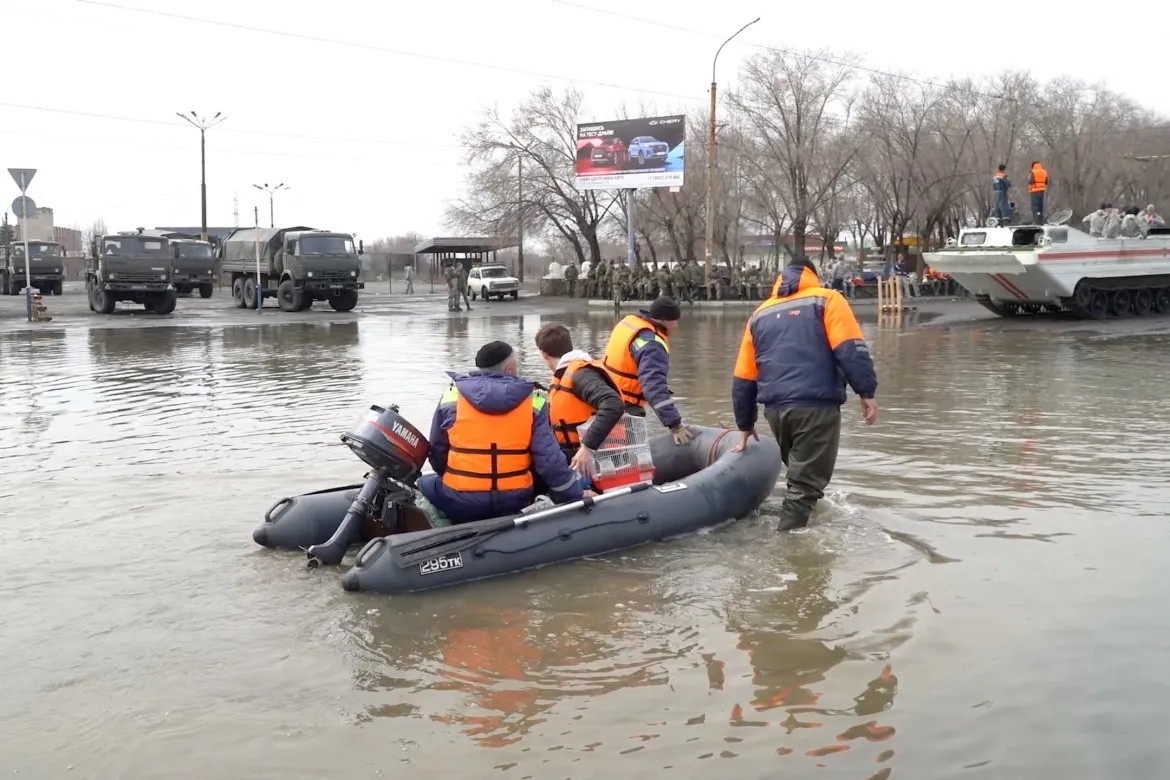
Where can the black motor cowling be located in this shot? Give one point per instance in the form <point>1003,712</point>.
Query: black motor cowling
<point>385,440</point>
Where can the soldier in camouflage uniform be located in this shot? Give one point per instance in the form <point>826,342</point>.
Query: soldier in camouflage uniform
<point>642,283</point>
<point>752,283</point>
<point>452,277</point>
<point>679,280</point>
<point>695,280</point>
<point>663,281</point>
<point>571,279</point>
<point>603,279</point>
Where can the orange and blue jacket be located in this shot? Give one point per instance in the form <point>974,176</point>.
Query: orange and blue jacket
<point>801,347</point>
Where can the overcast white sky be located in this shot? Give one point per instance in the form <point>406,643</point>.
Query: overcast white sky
<point>365,133</point>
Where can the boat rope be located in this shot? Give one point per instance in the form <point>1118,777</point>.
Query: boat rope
<point>711,457</point>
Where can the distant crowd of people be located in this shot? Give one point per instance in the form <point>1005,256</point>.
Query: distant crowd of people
<point>1111,222</point>
<point>685,281</point>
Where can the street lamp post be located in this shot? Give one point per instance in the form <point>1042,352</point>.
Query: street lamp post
<point>271,198</point>
<point>710,238</point>
<point>202,125</point>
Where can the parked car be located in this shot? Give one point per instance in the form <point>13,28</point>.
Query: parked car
<point>647,148</point>
<point>488,280</point>
<point>611,151</point>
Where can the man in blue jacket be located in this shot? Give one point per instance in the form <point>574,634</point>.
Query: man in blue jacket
<point>489,434</point>
<point>799,350</point>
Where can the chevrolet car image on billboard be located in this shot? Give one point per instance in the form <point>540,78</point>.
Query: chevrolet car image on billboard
<point>631,153</point>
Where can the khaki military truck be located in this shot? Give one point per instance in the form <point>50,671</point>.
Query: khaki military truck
<point>130,266</point>
<point>297,265</point>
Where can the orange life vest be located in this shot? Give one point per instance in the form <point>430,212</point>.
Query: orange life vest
<point>489,452</point>
<point>620,363</point>
<point>1039,180</point>
<point>566,409</point>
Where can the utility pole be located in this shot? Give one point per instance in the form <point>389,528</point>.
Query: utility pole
<point>202,125</point>
<point>271,199</point>
<point>520,218</point>
<point>710,237</point>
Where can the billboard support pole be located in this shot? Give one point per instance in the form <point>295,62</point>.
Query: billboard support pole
<point>710,237</point>
<point>631,229</point>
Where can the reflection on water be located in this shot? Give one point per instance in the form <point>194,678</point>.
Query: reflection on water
<point>141,624</point>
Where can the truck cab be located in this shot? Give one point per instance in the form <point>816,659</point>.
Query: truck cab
<point>194,266</point>
<point>46,267</point>
<point>132,267</point>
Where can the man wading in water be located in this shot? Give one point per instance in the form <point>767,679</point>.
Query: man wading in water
<point>800,348</point>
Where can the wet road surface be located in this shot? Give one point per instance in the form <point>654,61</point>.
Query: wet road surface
<point>981,596</point>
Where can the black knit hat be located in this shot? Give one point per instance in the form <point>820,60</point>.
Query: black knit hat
<point>803,262</point>
<point>665,309</point>
<point>492,354</point>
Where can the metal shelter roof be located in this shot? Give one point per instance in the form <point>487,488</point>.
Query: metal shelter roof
<point>469,245</point>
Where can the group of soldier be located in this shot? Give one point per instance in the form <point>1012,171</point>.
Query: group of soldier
<point>686,281</point>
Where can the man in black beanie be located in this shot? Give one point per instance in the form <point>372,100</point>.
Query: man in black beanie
<point>489,434</point>
<point>638,359</point>
<point>800,349</point>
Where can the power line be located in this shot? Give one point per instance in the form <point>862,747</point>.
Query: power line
<point>383,49</point>
<point>210,146</point>
<point>167,123</point>
<point>828,60</point>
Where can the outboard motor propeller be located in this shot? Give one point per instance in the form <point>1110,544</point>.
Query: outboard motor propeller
<point>396,452</point>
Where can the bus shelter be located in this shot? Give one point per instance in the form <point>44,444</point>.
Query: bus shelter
<point>467,251</point>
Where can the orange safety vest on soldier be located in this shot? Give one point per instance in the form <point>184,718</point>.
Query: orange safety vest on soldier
<point>621,364</point>
<point>490,452</point>
<point>1039,179</point>
<point>566,409</point>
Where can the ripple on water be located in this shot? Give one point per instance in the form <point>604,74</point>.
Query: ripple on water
<point>142,458</point>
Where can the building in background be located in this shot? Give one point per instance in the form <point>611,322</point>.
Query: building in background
<point>41,228</point>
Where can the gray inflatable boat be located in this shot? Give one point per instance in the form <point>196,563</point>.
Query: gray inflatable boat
<point>695,486</point>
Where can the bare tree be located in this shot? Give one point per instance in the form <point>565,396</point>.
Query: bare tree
<point>795,108</point>
<point>93,233</point>
<point>522,174</point>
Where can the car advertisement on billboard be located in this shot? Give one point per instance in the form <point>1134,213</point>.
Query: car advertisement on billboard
<point>631,153</point>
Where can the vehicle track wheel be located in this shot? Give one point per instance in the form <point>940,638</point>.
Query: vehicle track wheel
<point>1162,300</point>
<point>1083,295</point>
<point>1143,302</point>
<point>1120,303</point>
<point>1098,304</point>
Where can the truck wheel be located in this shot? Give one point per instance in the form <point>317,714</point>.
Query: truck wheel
<point>249,293</point>
<point>344,301</point>
<point>484,293</point>
<point>165,302</point>
<point>306,301</point>
<point>515,295</point>
<point>205,290</point>
<point>56,286</point>
<point>4,283</point>
<point>238,291</point>
<point>89,296</point>
<point>103,302</point>
<point>288,296</point>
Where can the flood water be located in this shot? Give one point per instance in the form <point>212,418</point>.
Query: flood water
<point>983,596</point>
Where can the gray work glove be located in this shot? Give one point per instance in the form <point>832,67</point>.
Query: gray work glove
<point>681,434</point>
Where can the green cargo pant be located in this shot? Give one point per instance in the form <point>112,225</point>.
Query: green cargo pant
<point>809,439</point>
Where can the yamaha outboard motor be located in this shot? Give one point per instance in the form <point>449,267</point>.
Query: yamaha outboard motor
<point>395,451</point>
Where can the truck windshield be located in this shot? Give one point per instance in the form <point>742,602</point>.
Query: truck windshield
<point>493,272</point>
<point>134,245</point>
<point>326,245</point>
<point>38,249</point>
<point>198,251</point>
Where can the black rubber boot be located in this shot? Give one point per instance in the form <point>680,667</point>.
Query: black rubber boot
<point>793,516</point>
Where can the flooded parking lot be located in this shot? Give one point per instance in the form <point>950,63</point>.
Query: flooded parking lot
<point>982,595</point>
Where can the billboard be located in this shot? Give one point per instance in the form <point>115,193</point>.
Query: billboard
<point>631,153</point>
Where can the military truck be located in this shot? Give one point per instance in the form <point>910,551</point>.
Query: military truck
<point>192,260</point>
<point>130,266</point>
<point>46,267</point>
<point>297,265</point>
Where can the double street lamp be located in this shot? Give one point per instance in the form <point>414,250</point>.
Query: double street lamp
<point>710,238</point>
<point>271,198</point>
<point>202,125</point>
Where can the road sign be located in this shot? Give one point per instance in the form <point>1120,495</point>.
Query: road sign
<point>22,176</point>
<point>24,206</point>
